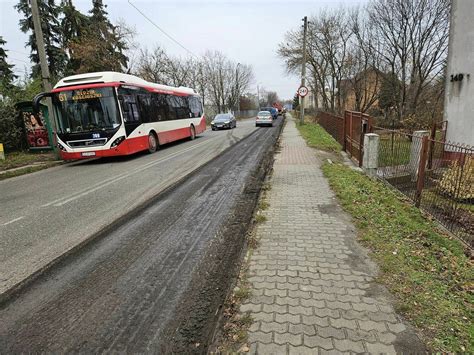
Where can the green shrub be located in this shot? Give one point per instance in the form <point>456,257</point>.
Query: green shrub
<point>12,133</point>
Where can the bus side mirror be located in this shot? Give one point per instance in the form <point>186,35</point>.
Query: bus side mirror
<point>36,105</point>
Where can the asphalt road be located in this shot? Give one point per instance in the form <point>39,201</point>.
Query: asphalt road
<point>45,214</point>
<point>128,290</point>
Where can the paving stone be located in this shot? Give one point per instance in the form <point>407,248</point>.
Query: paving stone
<point>276,279</point>
<point>300,310</point>
<point>348,345</point>
<point>397,327</point>
<point>314,320</point>
<point>299,294</point>
<point>294,339</point>
<point>371,325</point>
<point>387,338</point>
<point>271,349</point>
<point>260,337</point>
<point>286,286</point>
<point>359,334</point>
<point>326,312</point>
<point>275,292</point>
<point>269,308</point>
<point>301,329</point>
<point>378,348</point>
<point>262,299</point>
<point>364,307</point>
<point>254,327</point>
<point>301,350</point>
<point>315,341</point>
<point>343,323</point>
<point>331,352</point>
<point>330,332</point>
<point>287,300</point>
<point>338,305</point>
<point>288,318</point>
<point>266,317</point>
<point>250,307</point>
<point>381,316</point>
<point>311,302</point>
<point>273,327</point>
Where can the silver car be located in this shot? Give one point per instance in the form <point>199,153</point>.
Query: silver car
<point>264,118</point>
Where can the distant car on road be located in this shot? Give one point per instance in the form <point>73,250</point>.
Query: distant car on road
<point>223,120</point>
<point>264,118</point>
<point>273,111</point>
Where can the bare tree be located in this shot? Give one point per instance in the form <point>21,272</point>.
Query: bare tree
<point>413,38</point>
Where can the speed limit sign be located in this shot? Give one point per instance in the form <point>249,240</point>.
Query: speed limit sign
<point>303,91</point>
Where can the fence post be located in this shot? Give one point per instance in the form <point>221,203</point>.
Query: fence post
<point>371,153</point>
<point>420,182</point>
<point>432,145</point>
<point>344,131</point>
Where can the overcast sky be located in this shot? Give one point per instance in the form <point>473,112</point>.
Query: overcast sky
<point>246,31</point>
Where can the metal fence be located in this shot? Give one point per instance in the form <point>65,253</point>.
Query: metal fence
<point>333,124</point>
<point>348,131</point>
<point>438,176</point>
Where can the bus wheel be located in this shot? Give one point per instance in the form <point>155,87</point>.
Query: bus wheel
<point>193,133</point>
<point>152,143</point>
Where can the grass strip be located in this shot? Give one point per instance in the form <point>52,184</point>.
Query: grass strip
<point>317,137</point>
<point>428,273</point>
<point>18,159</point>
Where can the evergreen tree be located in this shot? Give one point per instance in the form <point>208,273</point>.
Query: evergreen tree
<point>6,73</point>
<point>74,24</point>
<point>296,102</point>
<point>52,35</point>
<point>99,48</point>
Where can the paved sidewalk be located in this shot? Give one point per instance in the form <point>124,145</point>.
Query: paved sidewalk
<point>313,287</point>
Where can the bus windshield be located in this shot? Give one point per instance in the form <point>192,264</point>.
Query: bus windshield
<point>86,110</point>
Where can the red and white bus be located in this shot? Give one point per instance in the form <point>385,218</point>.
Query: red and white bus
<point>109,114</point>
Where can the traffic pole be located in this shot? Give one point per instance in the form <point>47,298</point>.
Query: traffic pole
<point>303,68</point>
<point>44,69</point>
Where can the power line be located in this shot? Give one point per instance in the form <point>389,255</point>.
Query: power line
<point>18,60</point>
<point>11,50</point>
<point>162,30</point>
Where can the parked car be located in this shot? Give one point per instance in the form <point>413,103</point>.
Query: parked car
<point>272,110</point>
<point>223,120</point>
<point>264,118</point>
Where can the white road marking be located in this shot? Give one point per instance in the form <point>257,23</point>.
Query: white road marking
<point>13,220</point>
<point>63,200</point>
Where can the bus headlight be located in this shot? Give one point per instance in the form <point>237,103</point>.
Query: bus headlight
<point>117,141</point>
<point>60,146</point>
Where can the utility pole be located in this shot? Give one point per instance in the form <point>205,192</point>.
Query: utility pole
<point>303,68</point>
<point>258,97</point>
<point>44,66</point>
<point>238,86</point>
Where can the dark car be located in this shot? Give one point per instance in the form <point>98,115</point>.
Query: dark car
<point>223,120</point>
<point>272,110</point>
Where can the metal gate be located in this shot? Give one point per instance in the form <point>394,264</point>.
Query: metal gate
<point>356,124</point>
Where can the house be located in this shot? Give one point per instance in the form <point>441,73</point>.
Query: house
<point>459,90</point>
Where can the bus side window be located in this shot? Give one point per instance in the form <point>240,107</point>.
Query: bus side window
<point>159,108</point>
<point>133,114</point>
<point>173,105</point>
<point>183,108</point>
<point>144,105</point>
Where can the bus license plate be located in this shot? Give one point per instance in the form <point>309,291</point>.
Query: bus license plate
<point>88,154</point>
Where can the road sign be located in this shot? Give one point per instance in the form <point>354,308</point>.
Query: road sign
<point>303,91</point>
